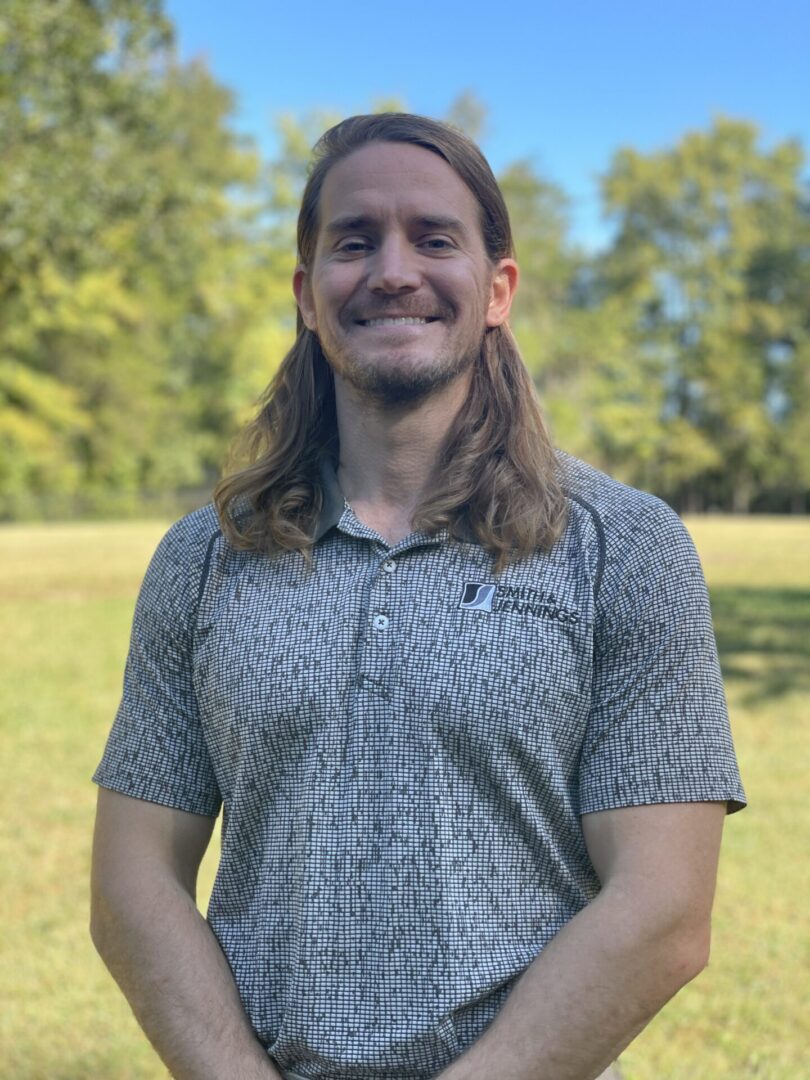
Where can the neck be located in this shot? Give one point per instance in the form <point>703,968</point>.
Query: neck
<point>388,454</point>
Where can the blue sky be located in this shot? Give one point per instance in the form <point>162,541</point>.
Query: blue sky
<point>565,83</point>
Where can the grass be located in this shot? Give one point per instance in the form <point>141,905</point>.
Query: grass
<point>67,593</point>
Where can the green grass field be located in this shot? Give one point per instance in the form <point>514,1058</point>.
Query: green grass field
<point>67,593</point>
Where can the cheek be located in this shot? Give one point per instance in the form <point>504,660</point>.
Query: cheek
<point>330,296</point>
<point>307,306</point>
<point>472,297</point>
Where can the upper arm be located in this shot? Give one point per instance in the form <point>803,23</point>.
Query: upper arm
<point>658,730</point>
<point>663,857</point>
<point>134,838</point>
<point>157,750</point>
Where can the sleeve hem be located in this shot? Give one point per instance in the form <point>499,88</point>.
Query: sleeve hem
<point>201,804</point>
<point>734,802</point>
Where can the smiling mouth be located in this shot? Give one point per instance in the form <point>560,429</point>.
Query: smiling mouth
<point>405,320</point>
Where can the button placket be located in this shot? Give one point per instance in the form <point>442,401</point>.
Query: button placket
<point>379,620</point>
<point>372,671</point>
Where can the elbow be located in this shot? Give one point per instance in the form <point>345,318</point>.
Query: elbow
<point>99,923</point>
<point>110,911</point>
<point>671,940</point>
<point>687,954</point>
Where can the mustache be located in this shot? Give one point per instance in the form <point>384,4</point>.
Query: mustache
<point>397,307</point>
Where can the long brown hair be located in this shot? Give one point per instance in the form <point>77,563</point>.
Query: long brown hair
<point>496,477</point>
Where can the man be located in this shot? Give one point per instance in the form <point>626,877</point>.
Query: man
<point>458,695</point>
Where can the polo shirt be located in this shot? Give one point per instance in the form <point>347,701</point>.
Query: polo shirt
<point>403,745</point>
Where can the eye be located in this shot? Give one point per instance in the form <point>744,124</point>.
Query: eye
<point>353,247</point>
<point>437,243</point>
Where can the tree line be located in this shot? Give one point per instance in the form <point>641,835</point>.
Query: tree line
<point>146,252</point>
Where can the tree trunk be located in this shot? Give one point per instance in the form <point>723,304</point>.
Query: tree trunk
<point>741,497</point>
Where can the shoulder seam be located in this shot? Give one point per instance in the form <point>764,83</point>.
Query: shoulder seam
<point>601,539</point>
<point>209,551</point>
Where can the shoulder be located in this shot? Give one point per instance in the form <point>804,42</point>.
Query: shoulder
<point>616,505</point>
<point>187,544</point>
<point>637,533</point>
<point>180,563</point>
<point>622,513</point>
<point>192,534</point>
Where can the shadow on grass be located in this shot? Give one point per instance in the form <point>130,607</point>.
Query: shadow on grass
<point>763,636</point>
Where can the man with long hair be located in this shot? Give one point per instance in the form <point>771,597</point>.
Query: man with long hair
<point>456,692</point>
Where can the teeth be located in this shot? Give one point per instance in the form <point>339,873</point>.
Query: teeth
<point>409,321</point>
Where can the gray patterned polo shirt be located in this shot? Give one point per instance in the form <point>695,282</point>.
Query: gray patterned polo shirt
<point>403,746</point>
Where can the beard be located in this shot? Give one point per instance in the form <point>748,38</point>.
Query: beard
<point>395,379</point>
<point>394,384</point>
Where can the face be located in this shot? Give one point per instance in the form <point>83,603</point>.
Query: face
<point>400,291</point>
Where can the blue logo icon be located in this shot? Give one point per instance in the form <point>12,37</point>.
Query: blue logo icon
<point>477,596</point>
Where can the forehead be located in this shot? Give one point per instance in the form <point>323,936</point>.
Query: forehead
<point>384,180</point>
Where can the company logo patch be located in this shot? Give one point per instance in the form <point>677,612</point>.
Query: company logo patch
<point>517,600</point>
<point>477,596</point>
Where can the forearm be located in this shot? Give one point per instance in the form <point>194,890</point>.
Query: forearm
<point>585,997</point>
<point>170,967</point>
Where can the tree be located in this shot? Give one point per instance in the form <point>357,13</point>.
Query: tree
<point>571,345</point>
<point>469,114</point>
<point>129,268</point>
<point>709,263</point>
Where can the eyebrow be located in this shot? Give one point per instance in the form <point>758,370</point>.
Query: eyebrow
<point>362,222</point>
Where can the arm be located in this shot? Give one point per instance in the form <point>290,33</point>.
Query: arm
<point>615,964</point>
<point>159,949</point>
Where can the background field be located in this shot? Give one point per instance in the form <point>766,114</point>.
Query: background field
<point>67,594</point>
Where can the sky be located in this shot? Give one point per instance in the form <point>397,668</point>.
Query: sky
<point>565,84</point>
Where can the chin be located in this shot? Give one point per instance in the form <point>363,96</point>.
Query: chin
<point>401,384</point>
<point>402,378</point>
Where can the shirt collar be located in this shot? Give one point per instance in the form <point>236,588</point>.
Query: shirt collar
<point>333,501</point>
<point>334,504</point>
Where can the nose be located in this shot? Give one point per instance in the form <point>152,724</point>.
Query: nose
<point>394,267</point>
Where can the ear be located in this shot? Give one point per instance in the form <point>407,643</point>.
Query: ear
<point>502,292</point>
<point>303,297</point>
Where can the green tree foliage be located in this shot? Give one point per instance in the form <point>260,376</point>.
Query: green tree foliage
<point>129,275</point>
<point>40,423</point>
<point>552,332</point>
<point>146,255</point>
<point>709,273</point>
<point>468,113</point>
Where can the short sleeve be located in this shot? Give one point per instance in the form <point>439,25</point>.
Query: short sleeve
<point>658,731</point>
<point>156,749</point>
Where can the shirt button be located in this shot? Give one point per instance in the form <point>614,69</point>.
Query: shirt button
<point>380,622</point>
<point>389,566</point>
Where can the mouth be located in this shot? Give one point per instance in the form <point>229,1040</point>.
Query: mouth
<point>401,320</point>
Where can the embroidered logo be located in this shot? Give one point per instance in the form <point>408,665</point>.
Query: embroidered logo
<point>477,596</point>
<point>520,600</point>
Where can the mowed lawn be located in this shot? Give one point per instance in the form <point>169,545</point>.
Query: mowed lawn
<point>67,594</point>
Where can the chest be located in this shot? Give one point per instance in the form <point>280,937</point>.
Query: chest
<point>404,653</point>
